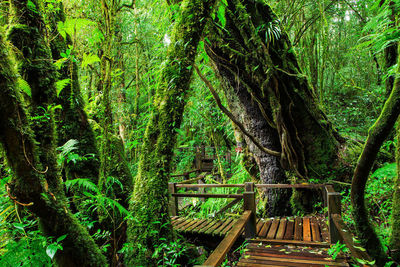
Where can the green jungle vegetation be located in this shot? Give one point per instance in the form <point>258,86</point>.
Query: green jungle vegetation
<point>103,103</point>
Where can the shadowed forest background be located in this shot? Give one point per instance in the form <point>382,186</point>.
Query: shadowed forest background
<point>103,103</point>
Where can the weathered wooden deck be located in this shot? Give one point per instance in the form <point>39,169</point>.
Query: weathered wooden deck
<point>285,241</point>
<point>263,253</point>
<point>309,229</point>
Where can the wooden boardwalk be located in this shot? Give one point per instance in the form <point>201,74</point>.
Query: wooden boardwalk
<point>308,229</point>
<point>263,253</point>
<point>279,241</point>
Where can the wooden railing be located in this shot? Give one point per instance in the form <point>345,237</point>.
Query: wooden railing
<point>332,201</point>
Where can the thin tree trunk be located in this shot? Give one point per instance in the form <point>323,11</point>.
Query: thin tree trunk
<point>376,136</point>
<point>150,197</point>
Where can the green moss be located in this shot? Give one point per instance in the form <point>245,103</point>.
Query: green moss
<point>151,224</point>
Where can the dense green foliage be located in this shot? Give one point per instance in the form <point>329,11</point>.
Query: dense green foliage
<point>100,106</point>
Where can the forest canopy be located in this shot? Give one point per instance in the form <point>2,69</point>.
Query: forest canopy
<point>108,107</point>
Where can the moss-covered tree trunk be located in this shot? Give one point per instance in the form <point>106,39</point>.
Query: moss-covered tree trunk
<point>252,52</point>
<point>73,120</point>
<point>255,55</point>
<point>376,136</point>
<point>151,225</point>
<point>394,241</point>
<point>36,183</point>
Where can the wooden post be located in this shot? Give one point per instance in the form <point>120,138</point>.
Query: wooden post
<point>173,201</point>
<point>334,207</point>
<point>249,203</point>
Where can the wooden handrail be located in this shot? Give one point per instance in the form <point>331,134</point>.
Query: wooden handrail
<point>181,185</point>
<point>218,255</point>
<point>207,195</point>
<point>310,186</point>
<point>347,238</point>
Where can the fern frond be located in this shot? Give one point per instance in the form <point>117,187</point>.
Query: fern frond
<point>69,146</point>
<point>81,183</point>
<point>61,84</point>
<point>24,86</point>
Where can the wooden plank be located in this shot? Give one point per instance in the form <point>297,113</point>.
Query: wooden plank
<point>259,263</point>
<point>324,230</point>
<point>205,226</point>
<point>212,228</point>
<point>208,226</point>
<point>281,229</point>
<point>316,235</point>
<point>291,260</point>
<point>184,228</point>
<point>218,255</point>
<point>200,226</point>
<point>289,229</point>
<point>306,229</point>
<point>298,229</point>
<point>290,255</point>
<point>180,226</point>
<point>177,220</point>
<point>265,262</point>
<point>290,242</point>
<point>180,185</point>
<point>310,186</point>
<point>222,227</point>
<point>274,227</point>
<point>195,225</point>
<point>265,228</point>
<point>260,224</point>
<point>292,250</point>
<point>207,195</point>
<point>228,228</point>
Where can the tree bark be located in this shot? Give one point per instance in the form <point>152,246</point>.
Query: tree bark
<point>149,207</point>
<point>31,186</point>
<point>394,241</point>
<point>73,120</point>
<point>253,53</point>
<point>376,136</point>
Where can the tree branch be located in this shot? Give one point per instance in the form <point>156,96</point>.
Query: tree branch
<point>232,117</point>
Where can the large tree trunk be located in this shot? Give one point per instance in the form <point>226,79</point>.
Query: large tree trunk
<point>376,136</point>
<point>39,190</point>
<point>250,50</point>
<point>270,170</point>
<point>150,197</point>
<point>254,54</point>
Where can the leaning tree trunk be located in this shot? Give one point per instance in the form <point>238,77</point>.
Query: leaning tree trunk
<point>151,222</point>
<point>376,136</point>
<point>36,183</point>
<point>394,241</point>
